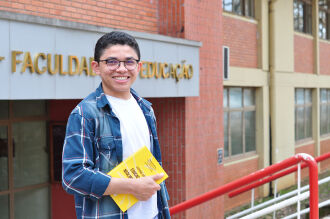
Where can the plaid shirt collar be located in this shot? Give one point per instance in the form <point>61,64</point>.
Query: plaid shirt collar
<point>102,101</point>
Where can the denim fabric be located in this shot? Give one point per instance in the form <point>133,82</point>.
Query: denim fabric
<point>93,147</point>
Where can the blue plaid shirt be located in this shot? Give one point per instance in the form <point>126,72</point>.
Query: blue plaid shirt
<point>92,147</point>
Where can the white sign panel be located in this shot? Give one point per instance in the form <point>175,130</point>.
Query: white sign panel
<point>48,62</point>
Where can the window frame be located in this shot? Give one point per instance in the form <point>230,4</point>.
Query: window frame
<point>307,17</point>
<point>243,109</point>
<point>326,24</point>
<point>327,104</point>
<point>247,7</point>
<point>9,122</point>
<point>305,105</point>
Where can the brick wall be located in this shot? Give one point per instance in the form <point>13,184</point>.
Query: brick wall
<point>303,54</point>
<point>138,15</point>
<point>170,114</point>
<point>171,17</point>
<point>308,149</point>
<point>234,172</point>
<point>203,118</point>
<point>241,38</point>
<point>324,58</point>
<point>325,148</point>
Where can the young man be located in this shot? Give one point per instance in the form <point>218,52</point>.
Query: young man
<point>105,128</point>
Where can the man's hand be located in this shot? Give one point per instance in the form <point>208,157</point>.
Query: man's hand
<point>142,188</point>
<point>145,187</point>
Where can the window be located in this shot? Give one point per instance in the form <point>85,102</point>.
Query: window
<point>302,15</point>
<point>240,7</point>
<point>225,63</point>
<point>325,111</point>
<point>239,120</point>
<point>303,114</point>
<point>24,171</point>
<point>324,19</point>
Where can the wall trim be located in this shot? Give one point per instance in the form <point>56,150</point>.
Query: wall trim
<point>325,137</point>
<point>304,143</point>
<point>239,17</point>
<point>229,163</point>
<point>251,77</point>
<point>305,35</point>
<point>324,41</point>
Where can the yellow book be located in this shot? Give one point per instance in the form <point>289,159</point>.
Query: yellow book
<point>141,163</point>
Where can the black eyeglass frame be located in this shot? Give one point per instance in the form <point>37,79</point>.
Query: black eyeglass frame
<point>137,62</point>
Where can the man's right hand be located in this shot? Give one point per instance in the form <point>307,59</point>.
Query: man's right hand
<point>142,188</point>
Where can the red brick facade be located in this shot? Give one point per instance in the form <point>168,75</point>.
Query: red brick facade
<point>303,54</point>
<point>308,149</point>
<point>325,148</point>
<point>171,17</point>
<point>235,171</point>
<point>241,38</point>
<point>324,58</point>
<point>170,113</point>
<point>138,15</point>
<point>203,117</point>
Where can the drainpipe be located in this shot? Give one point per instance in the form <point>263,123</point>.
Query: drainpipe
<point>271,55</point>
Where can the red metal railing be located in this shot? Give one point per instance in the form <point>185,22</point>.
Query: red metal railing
<point>275,176</point>
<point>313,183</point>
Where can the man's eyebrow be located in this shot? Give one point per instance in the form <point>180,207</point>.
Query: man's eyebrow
<point>111,58</point>
<point>127,58</point>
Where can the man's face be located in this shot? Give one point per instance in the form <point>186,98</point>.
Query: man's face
<point>117,82</point>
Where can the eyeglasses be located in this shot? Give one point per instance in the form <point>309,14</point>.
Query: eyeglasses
<point>113,64</point>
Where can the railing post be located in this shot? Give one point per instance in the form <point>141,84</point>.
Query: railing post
<point>275,195</point>
<point>252,198</point>
<point>298,181</point>
<point>313,184</point>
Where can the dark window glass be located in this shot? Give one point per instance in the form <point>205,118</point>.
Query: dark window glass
<point>31,153</point>
<point>302,15</point>
<point>57,135</point>
<point>236,133</point>
<point>3,158</point>
<point>4,109</point>
<point>250,131</point>
<point>324,19</point>
<point>239,7</point>
<point>32,204</point>
<point>4,206</point>
<point>26,108</point>
<point>225,127</point>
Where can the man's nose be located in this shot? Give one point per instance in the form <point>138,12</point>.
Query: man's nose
<point>121,66</point>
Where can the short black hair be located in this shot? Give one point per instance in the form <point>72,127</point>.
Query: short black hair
<point>114,38</point>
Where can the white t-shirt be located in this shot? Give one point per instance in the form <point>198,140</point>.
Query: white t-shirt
<point>135,134</point>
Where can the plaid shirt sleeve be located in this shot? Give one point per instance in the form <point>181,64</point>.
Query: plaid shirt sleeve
<point>80,174</point>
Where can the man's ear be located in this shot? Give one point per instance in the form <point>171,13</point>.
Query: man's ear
<point>96,67</point>
<point>139,66</point>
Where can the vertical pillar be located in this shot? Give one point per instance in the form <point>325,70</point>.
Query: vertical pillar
<point>316,92</point>
<point>315,26</point>
<point>281,60</point>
